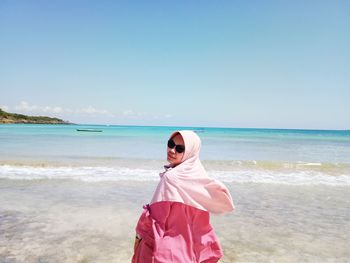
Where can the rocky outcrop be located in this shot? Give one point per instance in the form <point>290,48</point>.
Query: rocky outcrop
<point>6,117</point>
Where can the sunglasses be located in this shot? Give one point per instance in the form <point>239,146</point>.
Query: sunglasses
<point>178,148</point>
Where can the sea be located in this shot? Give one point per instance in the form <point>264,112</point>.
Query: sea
<point>75,196</point>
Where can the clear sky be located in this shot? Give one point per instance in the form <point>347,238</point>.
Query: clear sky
<point>277,64</point>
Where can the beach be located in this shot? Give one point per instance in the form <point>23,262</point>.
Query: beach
<point>91,92</point>
<point>72,197</point>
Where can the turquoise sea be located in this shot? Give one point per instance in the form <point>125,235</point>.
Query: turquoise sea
<point>71,196</point>
<point>287,156</point>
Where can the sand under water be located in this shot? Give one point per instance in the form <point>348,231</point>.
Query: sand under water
<point>73,221</point>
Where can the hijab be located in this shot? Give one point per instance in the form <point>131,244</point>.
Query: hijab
<point>188,182</point>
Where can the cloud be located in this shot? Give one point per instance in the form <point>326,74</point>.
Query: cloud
<point>25,107</point>
<point>4,107</point>
<point>132,113</point>
<point>91,110</point>
<point>144,115</point>
<point>84,112</point>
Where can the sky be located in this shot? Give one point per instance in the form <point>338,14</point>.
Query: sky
<point>251,64</point>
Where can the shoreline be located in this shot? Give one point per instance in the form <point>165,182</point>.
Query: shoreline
<point>150,163</point>
<point>114,170</point>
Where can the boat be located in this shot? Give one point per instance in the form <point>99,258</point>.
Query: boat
<point>88,130</point>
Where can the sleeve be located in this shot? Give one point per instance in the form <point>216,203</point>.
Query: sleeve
<point>160,212</point>
<point>206,245</point>
<point>152,227</point>
<point>163,239</point>
<point>144,226</point>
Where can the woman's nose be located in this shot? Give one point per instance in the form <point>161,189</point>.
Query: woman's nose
<point>173,150</point>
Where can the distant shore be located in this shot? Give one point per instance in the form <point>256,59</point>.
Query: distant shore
<point>13,118</point>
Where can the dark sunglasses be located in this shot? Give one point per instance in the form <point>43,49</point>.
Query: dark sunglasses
<point>178,148</point>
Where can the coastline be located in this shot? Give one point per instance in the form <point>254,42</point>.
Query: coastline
<point>14,118</point>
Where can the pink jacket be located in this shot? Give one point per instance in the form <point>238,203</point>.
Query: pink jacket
<point>174,232</point>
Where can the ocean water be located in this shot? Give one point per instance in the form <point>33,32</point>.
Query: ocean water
<point>69,196</point>
<point>124,152</point>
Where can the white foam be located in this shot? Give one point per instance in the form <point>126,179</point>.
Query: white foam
<point>102,174</point>
<point>87,174</point>
<point>309,164</point>
<point>290,178</point>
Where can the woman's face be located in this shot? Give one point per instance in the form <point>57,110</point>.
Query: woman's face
<point>173,156</point>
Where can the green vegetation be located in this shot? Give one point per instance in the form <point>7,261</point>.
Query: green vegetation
<point>6,117</point>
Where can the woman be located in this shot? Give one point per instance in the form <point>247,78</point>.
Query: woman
<point>175,226</point>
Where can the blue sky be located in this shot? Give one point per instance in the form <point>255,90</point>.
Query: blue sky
<point>277,64</point>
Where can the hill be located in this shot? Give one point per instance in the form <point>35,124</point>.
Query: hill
<point>6,117</point>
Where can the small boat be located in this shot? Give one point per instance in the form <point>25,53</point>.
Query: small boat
<point>88,130</point>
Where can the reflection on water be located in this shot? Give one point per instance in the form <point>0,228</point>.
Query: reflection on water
<point>72,221</point>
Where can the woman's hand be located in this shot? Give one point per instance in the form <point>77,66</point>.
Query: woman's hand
<point>136,243</point>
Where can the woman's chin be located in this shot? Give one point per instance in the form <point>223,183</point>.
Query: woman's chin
<point>171,161</point>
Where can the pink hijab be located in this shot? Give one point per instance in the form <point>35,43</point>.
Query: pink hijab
<point>188,182</point>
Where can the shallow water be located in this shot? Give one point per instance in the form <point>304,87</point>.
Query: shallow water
<point>74,221</point>
<point>74,197</point>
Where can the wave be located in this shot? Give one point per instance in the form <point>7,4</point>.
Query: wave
<point>105,174</point>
